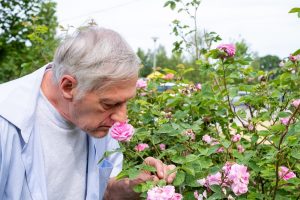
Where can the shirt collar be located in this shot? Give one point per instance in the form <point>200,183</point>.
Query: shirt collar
<point>18,103</point>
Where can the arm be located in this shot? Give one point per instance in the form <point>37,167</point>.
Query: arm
<point>123,189</point>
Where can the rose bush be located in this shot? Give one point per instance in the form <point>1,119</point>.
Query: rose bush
<point>225,145</point>
<point>201,130</point>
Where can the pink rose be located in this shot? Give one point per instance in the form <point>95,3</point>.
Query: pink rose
<point>162,147</point>
<point>220,150</point>
<point>285,121</point>
<point>196,194</point>
<point>140,84</point>
<point>296,103</point>
<point>281,64</point>
<point>240,148</point>
<point>176,196</point>
<point>294,58</point>
<point>141,147</point>
<point>163,193</point>
<point>229,49</point>
<point>250,127</point>
<point>201,181</point>
<point>215,179</point>
<point>285,173</point>
<point>121,131</point>
<point>206,138</point>
<point>239,178</point>
<point>190,133</point>
<point>236,138</point>
<point>198,86</point>
<point>168,76</point>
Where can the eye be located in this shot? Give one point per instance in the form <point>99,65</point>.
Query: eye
<point>108,106</point>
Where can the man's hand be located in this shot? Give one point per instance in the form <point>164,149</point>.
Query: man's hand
<point>162,171</point>
<point>123,189</point>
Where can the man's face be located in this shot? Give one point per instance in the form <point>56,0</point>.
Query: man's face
<point>97,111</point>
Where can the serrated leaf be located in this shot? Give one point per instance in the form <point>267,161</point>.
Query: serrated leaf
<point>188,170</point>
<point>295,153</point>
<point>180,177</point>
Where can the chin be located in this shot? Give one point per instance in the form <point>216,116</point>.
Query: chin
<point>98,133</point>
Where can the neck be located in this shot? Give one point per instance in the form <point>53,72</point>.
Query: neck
<point>52,93</point>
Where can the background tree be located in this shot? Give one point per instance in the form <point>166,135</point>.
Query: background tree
<point>27,36</point>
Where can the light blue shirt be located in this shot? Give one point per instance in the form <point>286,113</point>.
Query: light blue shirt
<point>22,172</point>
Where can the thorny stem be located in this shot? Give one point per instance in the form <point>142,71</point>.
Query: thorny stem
<point>279,149</point>
<point>227,96</point>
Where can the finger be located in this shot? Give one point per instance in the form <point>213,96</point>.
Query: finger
<point>155,179</point>
<point>166,169</point>
<point>159,166</point>
<point>172,175</point>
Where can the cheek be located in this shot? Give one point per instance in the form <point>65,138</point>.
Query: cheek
<point>92,117</point>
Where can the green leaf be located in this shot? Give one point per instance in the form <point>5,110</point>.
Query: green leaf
<point>191,158</point>
<point>147,168</point>
<point>180,177</point>
<point>215,196</point>
<point>216,188</point>
<point>178,159</point>
<point>296,153</point>
<point>296,52</point>
<point>225,143</point>
<point>188,170</point>
<point>293,10</point>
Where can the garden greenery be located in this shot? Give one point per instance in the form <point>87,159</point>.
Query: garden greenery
<point>234,136</point>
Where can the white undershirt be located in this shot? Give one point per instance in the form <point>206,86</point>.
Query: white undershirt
<point>65,153</point>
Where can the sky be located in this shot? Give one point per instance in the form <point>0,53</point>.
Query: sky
<point>265,25</point>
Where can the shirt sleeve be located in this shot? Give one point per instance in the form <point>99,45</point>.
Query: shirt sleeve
<point>5,149</point>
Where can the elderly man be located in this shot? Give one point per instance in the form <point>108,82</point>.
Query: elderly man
<point>54,123</point>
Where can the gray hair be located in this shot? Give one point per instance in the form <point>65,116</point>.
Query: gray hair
<point>95,57</point>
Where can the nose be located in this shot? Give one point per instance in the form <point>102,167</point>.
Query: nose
<point>120,113</point>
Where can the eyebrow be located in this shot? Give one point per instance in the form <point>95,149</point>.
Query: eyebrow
<point>116,101</point>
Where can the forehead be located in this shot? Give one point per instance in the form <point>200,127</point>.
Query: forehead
<point>119,92</point>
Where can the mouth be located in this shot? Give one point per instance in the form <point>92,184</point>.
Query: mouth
<point>103,128</point>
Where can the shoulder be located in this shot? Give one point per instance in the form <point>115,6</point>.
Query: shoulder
<point>8,132</point>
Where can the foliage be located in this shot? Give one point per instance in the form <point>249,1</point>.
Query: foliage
<point>236,99</point>
<point>162,60</point>
<point>27,36</point>
<point>166,118</point>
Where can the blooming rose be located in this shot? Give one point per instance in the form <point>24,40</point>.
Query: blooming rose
<point>206,138</point>
<point>250,127</point>
<point>233,175</point>
<point>190,133</point>
<point>168,76</point>
<point>281,64</point>
<point>236,138</point>
<point>296,103</point>
<point>162,147</point>
<point>141,84</point>
<point>201,181</point>
<point>163,193</point>
<point>284,121</point>
<point>121,131</point>
<point>294,58</point>
<point>229,49</point>
<point>239,178</point>
<point>214,179</point>
<point>141,147</point>
<point>200,196</point>
<point>198,86</point>
<point>220,150</point>
<point>285,173</point>
<point>240,148</point>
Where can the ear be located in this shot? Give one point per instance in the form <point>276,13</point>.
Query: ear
<point>67,86</point>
